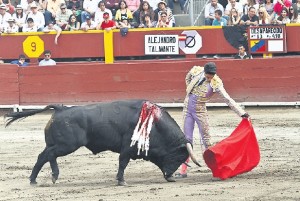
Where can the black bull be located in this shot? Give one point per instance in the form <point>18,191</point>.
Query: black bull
<point>108,126</point>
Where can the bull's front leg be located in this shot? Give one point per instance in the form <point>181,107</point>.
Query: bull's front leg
<point>123,162</point>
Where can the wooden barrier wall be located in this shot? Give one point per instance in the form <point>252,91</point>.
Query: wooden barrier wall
<point>257,80</point>
<point>91,44</point>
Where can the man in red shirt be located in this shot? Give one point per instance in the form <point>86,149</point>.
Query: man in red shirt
<point>107,24</point>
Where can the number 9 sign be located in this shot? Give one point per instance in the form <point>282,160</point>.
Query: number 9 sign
<point>33,46</point>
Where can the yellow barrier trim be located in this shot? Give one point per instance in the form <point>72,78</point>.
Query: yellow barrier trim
<point>267,55</point>
<point>108,47</point>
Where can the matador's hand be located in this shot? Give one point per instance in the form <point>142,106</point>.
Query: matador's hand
<point>246,116</point>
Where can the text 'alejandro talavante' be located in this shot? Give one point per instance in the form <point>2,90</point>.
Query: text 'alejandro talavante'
<point>162,39</point>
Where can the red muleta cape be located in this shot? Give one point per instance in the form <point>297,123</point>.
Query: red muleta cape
<point>236,154</point>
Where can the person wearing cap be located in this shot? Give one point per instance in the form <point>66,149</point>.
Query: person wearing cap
<point>11,27</point>
<point>89,24</point>
<point>107,24</point>
<point>99,13</point>
<point>37,16</point>
<point>4,16</point>
<point>21,61</point>
<point>201,84</point>
<point>63,16</point>
<point>19,17</point>
<point>29,26</point>
<point>162,7</point>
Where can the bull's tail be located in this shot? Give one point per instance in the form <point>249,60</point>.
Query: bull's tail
<point>11,117</point>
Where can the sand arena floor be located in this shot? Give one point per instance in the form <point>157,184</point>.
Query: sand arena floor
<point>84,176</point>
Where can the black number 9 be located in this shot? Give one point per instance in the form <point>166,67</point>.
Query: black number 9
<point>33,45</point>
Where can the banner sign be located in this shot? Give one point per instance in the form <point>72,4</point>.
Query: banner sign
<point>161,45</point>
<point>267,39</point>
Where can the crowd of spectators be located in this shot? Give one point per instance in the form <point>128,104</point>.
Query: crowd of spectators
<point>252,12</point>
<point>73,15</point>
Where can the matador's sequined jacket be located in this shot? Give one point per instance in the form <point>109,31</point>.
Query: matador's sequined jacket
<point>205,90</point>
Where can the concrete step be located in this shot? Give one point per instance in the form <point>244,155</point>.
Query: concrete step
<point>182,20</point>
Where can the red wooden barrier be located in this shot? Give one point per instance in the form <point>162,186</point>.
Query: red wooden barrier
<point>9,86</point>
<point>257,80</point>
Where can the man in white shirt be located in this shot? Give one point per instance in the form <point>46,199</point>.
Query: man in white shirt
<point>89,8</point>
<point>89,24</point>
<point>11,27</point>
<point>209,12</point>
<point>37,16</point>
<point>47,61</point>
<point>234,4</point>
<point>100,11</point>
<point>4,16</point>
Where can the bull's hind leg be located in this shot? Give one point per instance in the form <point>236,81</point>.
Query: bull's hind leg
<point>49,155</point>
<point>123,162</point>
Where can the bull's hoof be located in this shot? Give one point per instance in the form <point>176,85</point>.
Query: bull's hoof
<point>53,179</point>
<point>33,183</point>
<point>170,178</point>
<point>122,183</point>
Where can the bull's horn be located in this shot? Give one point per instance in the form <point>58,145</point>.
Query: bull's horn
<point>192,155</point>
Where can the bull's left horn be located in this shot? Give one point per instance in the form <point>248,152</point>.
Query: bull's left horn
<point>192,155</point>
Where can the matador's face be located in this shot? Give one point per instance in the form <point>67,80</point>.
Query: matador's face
<point>209,77</point>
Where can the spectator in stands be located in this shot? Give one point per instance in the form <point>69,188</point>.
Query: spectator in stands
<point>47,61</point>
<point>236,5</point>
<point>219,20</point>
<point>99,13</point>
<point>147,22</point>
<point>29,26</point>
<point>153,3</point>
<point>250,3</point>
<point>9,6</point>
<point>107,24</point>
<point>242,54</point>
<point>251,18</point>
<point>37,16</point>
<point>144,9</point>
<point>73,24</point>
<point>51,27</point>
<point>162,7</point>
<point>89,24</point>
<point>11,27</point>
<point>234,18</point>
<point>19,17</point>
<point>164,21</point>
<point>112,5</point>
<point>89,9</point>
<point>74,4</point>
<point>209,11</point>
<point>77,13</point>
<point>297,5</point>
<point>21,61</point>
<point>133,5</point>
<point>63,16</point>
<point>269,6</point>
<point>294,15</point>
<point>123,12</point>
<point>284,17</point>
<point>52,8</point>
<point>4,16</point>
<point>280,4</point>
<point>263,16</point>
<point>123,24</point>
